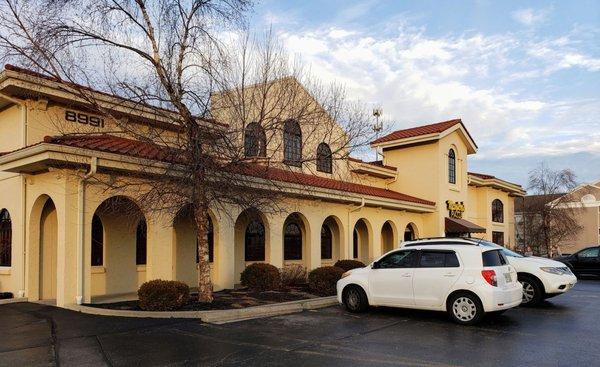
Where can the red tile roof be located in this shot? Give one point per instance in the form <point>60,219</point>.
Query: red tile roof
<point>113,144</point>
<point>378,163</point>
<point>418,131</point>
<point>482,175</point>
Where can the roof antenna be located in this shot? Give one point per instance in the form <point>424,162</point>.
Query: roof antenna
<point>378,126</point>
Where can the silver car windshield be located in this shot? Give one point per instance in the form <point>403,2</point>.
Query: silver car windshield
<point>505,251</point>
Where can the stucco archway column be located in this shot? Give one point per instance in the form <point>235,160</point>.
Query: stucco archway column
<point>160,246</point>
<point>313,246</point>
<point>274,241</point>
<point>375,243</point>
<point>224,258</point>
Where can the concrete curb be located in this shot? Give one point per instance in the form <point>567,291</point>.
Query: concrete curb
<point>218,316</point>
<point>12,300</point>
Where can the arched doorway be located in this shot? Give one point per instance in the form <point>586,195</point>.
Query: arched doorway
<point>251,244</point>
<point>295,239</point>
<point>410,232</point>
<point>186,246</point>
<point>118,248</point>
<point>330,240</point>
<point>48,242</point>
<point>388,241</point>
<point>361,239</point>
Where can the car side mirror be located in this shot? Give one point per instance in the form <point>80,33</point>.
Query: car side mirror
<point>375,265</point>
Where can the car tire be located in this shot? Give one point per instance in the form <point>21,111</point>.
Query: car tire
<point>533,292</point>
<point>354,299</point>
<point>465,308</point>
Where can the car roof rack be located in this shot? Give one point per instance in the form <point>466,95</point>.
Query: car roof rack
<point>430,241</point>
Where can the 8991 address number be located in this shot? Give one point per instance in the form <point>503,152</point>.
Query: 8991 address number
<point>84,119</point>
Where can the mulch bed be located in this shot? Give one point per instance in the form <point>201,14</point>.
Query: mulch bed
<point>227,299</point>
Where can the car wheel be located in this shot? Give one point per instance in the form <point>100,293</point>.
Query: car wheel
<point>355,300</point>
<point>532,291</point>
<point>465,309</point>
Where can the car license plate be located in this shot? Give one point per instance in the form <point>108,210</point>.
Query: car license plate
<point>507,277</point>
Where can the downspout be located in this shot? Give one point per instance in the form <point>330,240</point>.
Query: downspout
<point>352,210</point>
<point>81,226</point>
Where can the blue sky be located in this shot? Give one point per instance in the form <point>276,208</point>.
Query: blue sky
<point>523,76</point>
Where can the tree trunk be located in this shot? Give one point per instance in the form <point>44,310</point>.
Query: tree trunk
<point>204,281</point>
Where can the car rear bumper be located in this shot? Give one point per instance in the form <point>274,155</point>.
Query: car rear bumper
<point>497,299</point>
<point>557,284</point>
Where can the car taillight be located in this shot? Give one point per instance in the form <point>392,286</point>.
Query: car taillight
<point>490,277</point>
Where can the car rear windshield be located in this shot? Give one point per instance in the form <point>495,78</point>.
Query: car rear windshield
<point>493,258</point>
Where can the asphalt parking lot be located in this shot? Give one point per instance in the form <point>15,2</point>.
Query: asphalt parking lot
<point>563,331</point>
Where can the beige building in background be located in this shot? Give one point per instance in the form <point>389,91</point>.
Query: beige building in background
<point>585,199</point>
<point>63,238</point>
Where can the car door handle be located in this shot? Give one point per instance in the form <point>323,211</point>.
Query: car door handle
<point>449,275</point>
<point>406,275</point>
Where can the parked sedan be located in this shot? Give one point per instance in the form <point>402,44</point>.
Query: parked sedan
<point>586,261</point>
<point>451,275</point>
<point>541,277</point>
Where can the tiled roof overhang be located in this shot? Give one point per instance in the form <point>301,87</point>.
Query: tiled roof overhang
<point>120,148</point>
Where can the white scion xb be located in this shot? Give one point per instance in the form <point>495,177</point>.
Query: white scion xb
<point>450,275</point>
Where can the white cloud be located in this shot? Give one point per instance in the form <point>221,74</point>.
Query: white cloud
<point>530,17</point>
<point>420,79</point>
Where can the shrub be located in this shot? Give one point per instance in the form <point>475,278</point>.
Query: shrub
<point>163,295</point>
<point>349,264</point>
<point>261,277</point>
<point>322,281</point>
<point>294,274</point>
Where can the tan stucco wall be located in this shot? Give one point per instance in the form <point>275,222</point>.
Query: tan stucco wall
<point>479,211</point>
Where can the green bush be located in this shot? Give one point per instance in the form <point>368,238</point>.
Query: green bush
<point>322,281</point>
<point>163,295</point>
<point>349,264</point>
<point>261,277</point>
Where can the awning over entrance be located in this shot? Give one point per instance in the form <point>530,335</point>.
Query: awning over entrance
<point>459,225</point>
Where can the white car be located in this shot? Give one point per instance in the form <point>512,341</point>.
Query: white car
<point>451,275</point>
<point>541,278</point>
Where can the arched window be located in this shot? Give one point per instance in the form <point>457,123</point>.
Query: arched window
<point>497,211</point>
<point>292,143</point>
<point>97,241</point>
<point>326,242</point>
<point>5,238</point>
<point>254,243</point>
<point>451,166</point>
<point>255,141</point>
<point>141,243</point>
<point>324,159</point>
<point>210,238</point>
<point>409,233</point>
<point>292,242</point>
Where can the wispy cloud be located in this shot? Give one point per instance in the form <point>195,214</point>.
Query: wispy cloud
<point>421,79</point>
<point>530,17</point>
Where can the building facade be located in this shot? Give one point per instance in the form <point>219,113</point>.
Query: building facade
<point>66,239</point>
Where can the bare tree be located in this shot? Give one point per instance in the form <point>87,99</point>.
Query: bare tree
<point>548,220</point>
<point>220,99</point>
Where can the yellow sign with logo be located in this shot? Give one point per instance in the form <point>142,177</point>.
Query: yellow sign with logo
<point>455,209</point>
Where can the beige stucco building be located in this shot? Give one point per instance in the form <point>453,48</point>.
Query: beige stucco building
<point>64,239</point>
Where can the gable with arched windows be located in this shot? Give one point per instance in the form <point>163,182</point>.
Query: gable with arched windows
<point>497,211</point>
<point>5,238</point>
<point>292,143</point>
<point>324,158</point>
<point>451,166</point>
<point>255,141</point>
